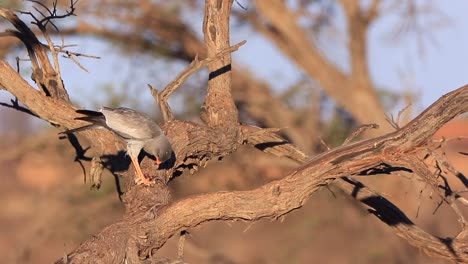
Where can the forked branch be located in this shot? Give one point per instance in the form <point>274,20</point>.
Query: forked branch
<point>162,97</point>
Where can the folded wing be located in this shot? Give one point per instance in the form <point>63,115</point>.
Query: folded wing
<point>130,124</point>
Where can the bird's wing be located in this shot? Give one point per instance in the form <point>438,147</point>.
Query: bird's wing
<point>130,124</point>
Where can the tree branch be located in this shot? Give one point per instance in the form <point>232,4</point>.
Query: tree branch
<point>451,249</point>
<point>219,109</point>
<point>277,198</point>
<point>43,72</point>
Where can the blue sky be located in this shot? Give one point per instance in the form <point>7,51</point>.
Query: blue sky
<point>439,69</point>
<point>396,65</point>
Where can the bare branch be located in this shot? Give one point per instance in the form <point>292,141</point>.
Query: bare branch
<point>15,105</point>
<point>218,109</point>
<point>358,131</point>
<point>403,226</point>
<point>53,12</point>
<point>267,141</point>
<point>43,73</point>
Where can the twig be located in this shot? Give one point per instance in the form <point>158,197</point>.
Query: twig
<point>392,122</point>
<point>396,123</point>
<point>71,55</point>
<point>270,142</point>
<point>442,161</point>
<point>76,54</point>
<point>15,105</point>
<point>358,131</point>
<point>53,13</point>
<point>48,79</point>
<point>324,144</point>
<point>180,248</point>
<point>401,112</point>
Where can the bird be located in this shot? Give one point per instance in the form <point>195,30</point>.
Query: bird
<point>137,129</point>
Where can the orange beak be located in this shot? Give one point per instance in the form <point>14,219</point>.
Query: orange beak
<point>158,161</point>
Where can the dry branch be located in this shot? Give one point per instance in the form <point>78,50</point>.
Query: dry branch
<point>45,76</point>
<point>392,216</point>
<point>218,109</point>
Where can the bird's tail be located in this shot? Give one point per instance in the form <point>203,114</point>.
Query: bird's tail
<point>88,112</point>
<point>96,119</point>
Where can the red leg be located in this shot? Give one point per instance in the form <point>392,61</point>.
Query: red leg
<point>140,178</point>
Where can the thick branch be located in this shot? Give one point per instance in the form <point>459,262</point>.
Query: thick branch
<point>47,108</point>
<point>219,109</point>
<point>390,214</point>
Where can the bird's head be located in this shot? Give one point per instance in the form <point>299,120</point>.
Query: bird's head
<point>163,154</point>
<point>160,148</point>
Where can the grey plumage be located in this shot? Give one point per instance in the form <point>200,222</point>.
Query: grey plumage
<point>138,130</point>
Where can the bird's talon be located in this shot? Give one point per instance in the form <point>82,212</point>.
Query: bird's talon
<point>144,181</point>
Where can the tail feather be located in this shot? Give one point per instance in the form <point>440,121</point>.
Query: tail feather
<point>89,112</point>
<point>98,120</point>
<point>92,117</point>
